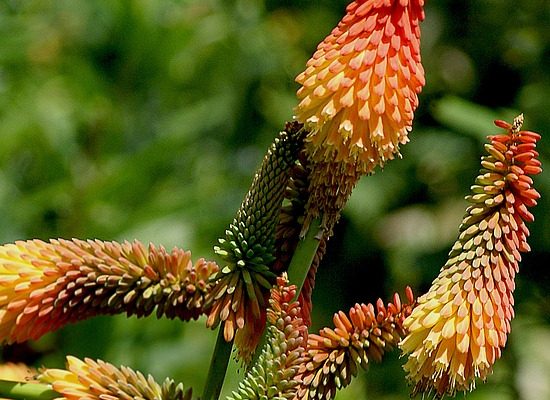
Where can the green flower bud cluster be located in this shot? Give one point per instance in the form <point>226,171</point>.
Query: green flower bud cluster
<point>250,240</point>
<point>238,298</point>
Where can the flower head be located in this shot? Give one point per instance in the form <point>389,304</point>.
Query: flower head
<point>89,379</point>
<point>360,88</point>
<point>333,357</point>
<point>458,329</point>
<point>358,96</point>
<point>45,285</point>
<point>241,288</point>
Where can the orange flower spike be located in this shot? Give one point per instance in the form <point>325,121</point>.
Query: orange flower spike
<point>458,329</point>
<point>360,88</point>
<point>45,285</point>
<point>333,357</point>
<point>357,100</point>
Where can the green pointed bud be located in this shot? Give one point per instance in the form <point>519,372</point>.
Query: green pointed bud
<point>250,238</point>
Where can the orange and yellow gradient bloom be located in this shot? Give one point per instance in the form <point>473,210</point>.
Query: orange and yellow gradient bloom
<point>458,329</point>
<point>89,379</point>
<point>45,285</point>
<point>360,88</point>
<point>359,93</point>
<point>333,357</point>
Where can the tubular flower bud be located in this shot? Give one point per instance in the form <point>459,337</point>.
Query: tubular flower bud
<point>239,298</point>
<point>458,330</point>
<point>91,379</point>
<point>358,96</point>
<point>274,374</point>
<point>44,286</point>
<point>333,357</point>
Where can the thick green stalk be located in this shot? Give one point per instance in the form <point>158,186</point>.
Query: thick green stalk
<point>218,367</point>
<point>304,254</point>
<point>26,391</point>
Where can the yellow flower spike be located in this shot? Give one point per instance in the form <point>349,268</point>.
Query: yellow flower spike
<point>458,330</point>
<point>89,379</point>
<point>358,96</point>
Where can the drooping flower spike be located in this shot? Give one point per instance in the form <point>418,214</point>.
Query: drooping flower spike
<point>89,379</point>
<point>458,329</point>
<point>358,96</point>
<point>45,285</point>
<point>333,357</point>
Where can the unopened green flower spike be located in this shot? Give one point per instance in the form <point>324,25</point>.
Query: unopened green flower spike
<point>242,285</point>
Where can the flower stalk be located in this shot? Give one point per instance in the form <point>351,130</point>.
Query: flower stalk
<point>304,255</point>
<point>26,391</point>
<point>218,367</point>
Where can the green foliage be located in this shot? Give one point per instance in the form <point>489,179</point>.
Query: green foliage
<point>146,119</point>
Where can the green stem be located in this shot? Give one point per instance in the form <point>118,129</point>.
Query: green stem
<point>26,391</point>
<point>218,367</point>
<point>304,254</point>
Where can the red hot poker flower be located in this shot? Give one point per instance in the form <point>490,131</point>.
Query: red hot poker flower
<point>358,96</point>
<point>45,285</point>
<point>360,88</point>
<point>458,329</point>
<point>90,379</point>
<point>333,357</point>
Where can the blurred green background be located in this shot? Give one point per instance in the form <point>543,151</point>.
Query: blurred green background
<point>146,119</point>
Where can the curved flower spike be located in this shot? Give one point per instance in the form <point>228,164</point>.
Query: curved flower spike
<point>91,379</point>
<point>334,356</point>
<point>44,286</point>
<point>239,298</point>
<point>458,329</point>
<point>358,96</point>
<point>274,374</point>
